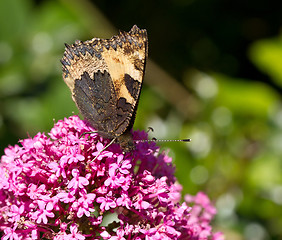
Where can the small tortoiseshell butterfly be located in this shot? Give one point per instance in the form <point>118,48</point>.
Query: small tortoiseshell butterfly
<point>105,78</point>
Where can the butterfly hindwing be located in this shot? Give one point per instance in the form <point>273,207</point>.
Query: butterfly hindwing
<point>96,100</point>
<point>105,78</point>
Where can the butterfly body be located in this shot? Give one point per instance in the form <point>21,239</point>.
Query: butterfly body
<point>105,78</point>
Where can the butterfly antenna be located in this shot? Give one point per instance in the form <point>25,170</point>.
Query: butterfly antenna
<point>164,140</point>
<point>150,129</point>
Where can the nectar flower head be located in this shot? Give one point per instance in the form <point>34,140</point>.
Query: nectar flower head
<point>64,187</point>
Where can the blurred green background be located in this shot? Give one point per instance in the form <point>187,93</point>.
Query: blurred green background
<point>214,75</point>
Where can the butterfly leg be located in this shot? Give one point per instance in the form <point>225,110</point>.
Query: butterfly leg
<point>150,129</point>
<point>87,133</point>
<point>109,144</point>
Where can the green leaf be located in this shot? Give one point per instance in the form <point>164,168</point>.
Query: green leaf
<point>267,56</point>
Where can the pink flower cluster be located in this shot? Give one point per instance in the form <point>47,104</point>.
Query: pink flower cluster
<point>54,188</point>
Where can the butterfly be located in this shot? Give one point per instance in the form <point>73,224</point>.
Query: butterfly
<point>105,77</point>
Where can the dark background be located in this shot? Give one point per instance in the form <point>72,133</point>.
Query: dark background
<point>214,74</point>
<point>210,35</point>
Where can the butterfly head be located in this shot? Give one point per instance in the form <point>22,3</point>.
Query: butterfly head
<point>126,142</point>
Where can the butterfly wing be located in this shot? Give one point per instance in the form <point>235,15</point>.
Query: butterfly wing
<point>105,78</point>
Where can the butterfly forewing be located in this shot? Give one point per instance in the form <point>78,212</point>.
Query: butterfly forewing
<point>105,77</point>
